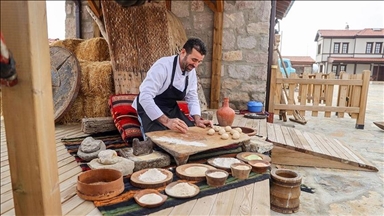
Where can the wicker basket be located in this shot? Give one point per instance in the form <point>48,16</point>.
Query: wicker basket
<point>138,36</point>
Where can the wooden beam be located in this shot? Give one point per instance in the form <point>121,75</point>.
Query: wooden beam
<point>211,5</point>
<point>94,8</point>
<point>28,111</point>
<point>220,5</point>
<point>216,59</point>
<point>168,5</point>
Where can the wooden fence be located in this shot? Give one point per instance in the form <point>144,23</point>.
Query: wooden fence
<point>315,93</point>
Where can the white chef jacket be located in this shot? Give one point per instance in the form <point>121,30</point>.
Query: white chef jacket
<point>158,80</point>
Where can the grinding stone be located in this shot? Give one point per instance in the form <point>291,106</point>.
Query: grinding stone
<point>154,160</point>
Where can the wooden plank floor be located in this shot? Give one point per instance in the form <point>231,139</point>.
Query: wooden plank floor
<point>248,200</point>
<point>320,150</point>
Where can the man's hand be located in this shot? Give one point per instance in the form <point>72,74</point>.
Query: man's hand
<point>199,122</point>
<point>173,124</point>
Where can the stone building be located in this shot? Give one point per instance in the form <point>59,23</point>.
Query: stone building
<point>245,43</point>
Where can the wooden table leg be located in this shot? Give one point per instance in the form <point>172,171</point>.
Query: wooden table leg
<point>180,160</point>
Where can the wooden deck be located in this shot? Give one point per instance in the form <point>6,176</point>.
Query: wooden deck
<point>247,200</point>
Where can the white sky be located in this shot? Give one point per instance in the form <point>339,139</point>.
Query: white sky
<point>299,27</point>
<point>56,19</point>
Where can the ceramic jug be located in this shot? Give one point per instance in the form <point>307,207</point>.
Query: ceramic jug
<point>225,114</point>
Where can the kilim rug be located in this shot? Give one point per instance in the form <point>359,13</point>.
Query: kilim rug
<point>124,204</point>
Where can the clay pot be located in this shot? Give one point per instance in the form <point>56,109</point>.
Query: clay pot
<point>285,191</point>
<point>225,114</point>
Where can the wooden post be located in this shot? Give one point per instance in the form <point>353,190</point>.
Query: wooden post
<point>363,100</point>
<point>28,111</point>
<point>217,51</point>
<point>272,90</point>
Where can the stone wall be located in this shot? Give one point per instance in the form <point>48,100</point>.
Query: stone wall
<point>245,44</point>
<point>87,24</point>
<point>245,47</point>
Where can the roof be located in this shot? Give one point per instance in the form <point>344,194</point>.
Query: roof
<point>300,60</point>
<point>282,8</point>
<point>367,32</point>
<point>355,60</point>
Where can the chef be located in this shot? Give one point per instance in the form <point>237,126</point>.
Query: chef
<point>171,79</point>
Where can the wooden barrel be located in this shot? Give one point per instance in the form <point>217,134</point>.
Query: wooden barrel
<point>285,191</point>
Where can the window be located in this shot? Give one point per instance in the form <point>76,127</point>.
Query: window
<point>368,48</point>
<point>321,69</point>
<point>378,47</point>
<point>344,49</point>
<point>334,68</point>
<point>343,67</point>
<point>336,48</point>
<point>318,49</point>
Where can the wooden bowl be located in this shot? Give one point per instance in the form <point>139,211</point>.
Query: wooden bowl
<point>247,130</point>
<point>193,171</point>
<point>168,190</point>
<point>99,184</point>
<point>211,162</point>
<point>135,180</point>
<point>216,178</point>
<point>259,166</point>
<point>240,170</point>
<point>247,156</point>
<point>147,192</point>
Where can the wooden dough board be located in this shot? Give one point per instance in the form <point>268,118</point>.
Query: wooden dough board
<point>194,134</point>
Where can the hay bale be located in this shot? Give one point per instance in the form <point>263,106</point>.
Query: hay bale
<point>75,112</point>
<point>96,106</point>
<point>177,35</point>
<point>70,44</point>
<point>94,49</point>
<point>96,78</point>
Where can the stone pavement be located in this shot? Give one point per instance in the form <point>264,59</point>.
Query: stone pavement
<point>346,192</point>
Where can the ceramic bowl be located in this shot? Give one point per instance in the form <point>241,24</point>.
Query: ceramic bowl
<point>216,177</point>
<point>259,166</point>
<point>148,204</point>
<point>240,170</point>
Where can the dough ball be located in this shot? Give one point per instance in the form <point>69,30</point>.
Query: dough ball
<point>236,136</point>
<point>217,128</point>
<point>233,131</point>
<point>221,131</point>
<point>228,128</point>
<point>239,129</point>
<point>224,136</point>
<point>211,131</point>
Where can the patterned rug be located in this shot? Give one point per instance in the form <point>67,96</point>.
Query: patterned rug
<point>124,204</point>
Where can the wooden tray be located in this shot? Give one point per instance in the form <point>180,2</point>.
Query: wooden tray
<point>242,156</point>
<point>228,169</point>
<point>182,171</point>
<point>169,193</point>
<point>135,181</point>
<point>141,193</point>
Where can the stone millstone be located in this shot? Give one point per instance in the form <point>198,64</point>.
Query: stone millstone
<point>259,145</point>
<point>125,166</point>
<point>87,145</point>
<point>154,160</point>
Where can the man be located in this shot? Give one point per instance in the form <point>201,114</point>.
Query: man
<point>169,80</point>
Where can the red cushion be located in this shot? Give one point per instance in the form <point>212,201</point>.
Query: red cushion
<point>125,116</point>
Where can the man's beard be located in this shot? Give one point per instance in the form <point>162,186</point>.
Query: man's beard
<point>185,65</point>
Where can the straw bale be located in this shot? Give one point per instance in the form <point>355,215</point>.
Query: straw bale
<point>96,106</point>
<point>70,44</point>
<point>177,35</point>
<point>96,78</point>
<point>75,112</point>
<point>94,49</point>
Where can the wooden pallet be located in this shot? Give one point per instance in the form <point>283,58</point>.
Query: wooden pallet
<point>294,147</point>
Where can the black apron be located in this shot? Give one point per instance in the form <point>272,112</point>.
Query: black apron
<point>167,102</point>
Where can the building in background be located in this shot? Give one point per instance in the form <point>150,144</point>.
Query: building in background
<point>352,51</point>
<point>301,63</point>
